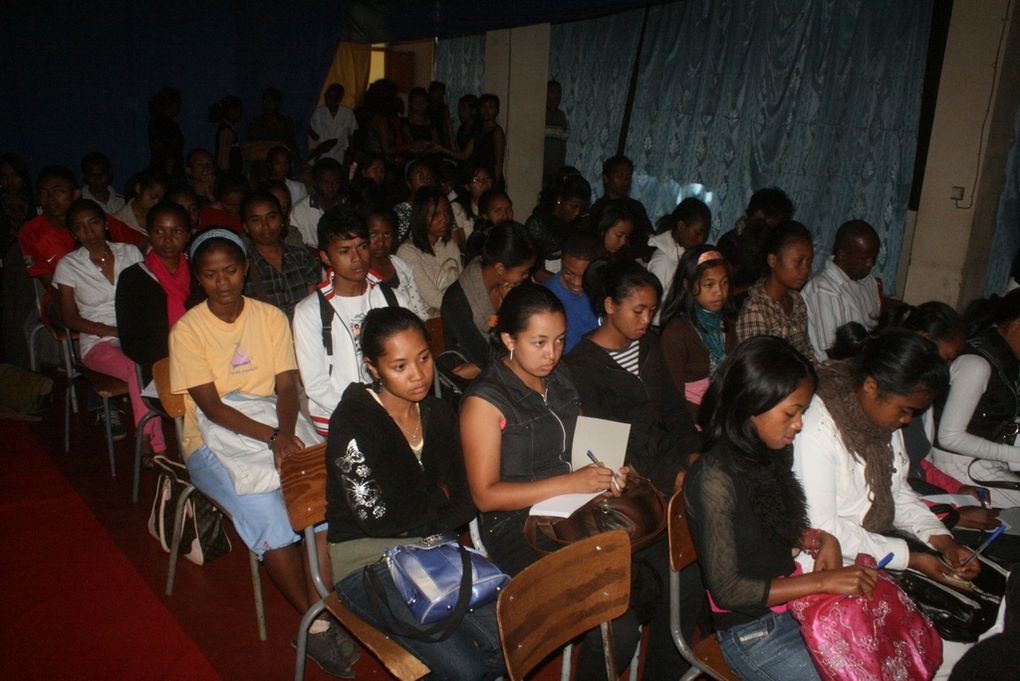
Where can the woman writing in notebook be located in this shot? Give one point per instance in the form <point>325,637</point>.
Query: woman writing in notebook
<point>517,424</point>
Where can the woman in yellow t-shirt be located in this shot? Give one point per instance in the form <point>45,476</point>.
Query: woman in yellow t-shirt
<point>228,346</point>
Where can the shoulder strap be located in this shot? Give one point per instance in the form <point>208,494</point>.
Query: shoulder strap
<point>388,294</point>
<point>326,313</point>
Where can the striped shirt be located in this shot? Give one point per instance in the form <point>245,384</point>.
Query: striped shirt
<point>627,357</point>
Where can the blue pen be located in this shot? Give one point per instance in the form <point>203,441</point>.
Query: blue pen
<point>983,496</point>
<point>881,564</point>
<point>984,545</point>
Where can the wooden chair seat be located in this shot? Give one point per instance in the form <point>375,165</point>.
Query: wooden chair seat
<point>105,386</point>
<point>397,659</point>
<point>710,654</point>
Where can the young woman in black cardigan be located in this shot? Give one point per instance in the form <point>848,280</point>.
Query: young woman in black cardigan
<point>151,295</point>
<point>396,475</point>
<point>621,375</point>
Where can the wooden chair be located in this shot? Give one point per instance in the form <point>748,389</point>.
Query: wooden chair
<point>706,656</point>
<point>303,480</point>
<point>155,411</point>
<point>174,407</point>
<point>107,387</point>
<point>559,597</point>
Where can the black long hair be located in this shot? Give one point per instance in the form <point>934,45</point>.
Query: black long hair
<point>899,360</point>
<point>680,299</point>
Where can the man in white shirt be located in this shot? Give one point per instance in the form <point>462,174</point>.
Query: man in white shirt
<point>844,291</point>
<point>333,121</point>
<point>327,181</point>
<point>327,324</point>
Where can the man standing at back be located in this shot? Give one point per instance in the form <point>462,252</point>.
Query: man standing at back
<point>332,121</point>
<point>844,290</point>
<point>557,131</point>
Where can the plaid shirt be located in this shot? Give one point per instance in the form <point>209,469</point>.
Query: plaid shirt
<point>287,286</point>
<point>763,316</point>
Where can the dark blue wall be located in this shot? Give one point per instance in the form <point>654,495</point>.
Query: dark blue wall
<point>76,77</point>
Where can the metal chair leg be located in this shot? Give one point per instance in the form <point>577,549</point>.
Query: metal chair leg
<point>256,585</point>
<point>175,542</point>
<point>67,415</point>
<point>636,660</point>
<point>302,639</point>
<point>33,353</point>
<point>139,435</point>
<point>109,437</point>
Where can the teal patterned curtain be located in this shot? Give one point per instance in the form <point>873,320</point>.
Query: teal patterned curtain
<point>1006,239</point>
<point>460,63</point>
<point>593,61</point>
<point>819,97</point>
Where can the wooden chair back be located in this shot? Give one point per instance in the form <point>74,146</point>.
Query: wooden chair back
<point>173,404</point>
<point>681,545</point>
<point>437,343</point>
<point>303,482</point>
<point>557,598</point>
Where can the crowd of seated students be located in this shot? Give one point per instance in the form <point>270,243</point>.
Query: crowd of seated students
<point>818,423</point>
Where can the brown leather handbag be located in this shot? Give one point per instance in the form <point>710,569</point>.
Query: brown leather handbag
<point>640,512</point>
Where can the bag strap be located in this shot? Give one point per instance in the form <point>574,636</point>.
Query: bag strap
<point>388,294</point>
<point>433,633</point>
<point>997,484</point>
<point>326,313</point>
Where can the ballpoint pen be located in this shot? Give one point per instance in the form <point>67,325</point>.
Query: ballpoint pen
<point>881,564</point>
<point>595,461</point>
<point>984,545</point>
<point>983,496</point>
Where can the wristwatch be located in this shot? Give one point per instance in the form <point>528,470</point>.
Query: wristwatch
<point>272,438</point>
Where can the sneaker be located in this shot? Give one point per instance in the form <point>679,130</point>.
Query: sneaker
<point>349,650</point>
<point>117,428</point>
<point>323,651</point>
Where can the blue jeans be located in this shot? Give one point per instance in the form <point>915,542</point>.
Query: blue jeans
<point>770,648</point>
<point>471,653</point>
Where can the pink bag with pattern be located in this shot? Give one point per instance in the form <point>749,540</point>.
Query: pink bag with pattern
<point>879,637</point>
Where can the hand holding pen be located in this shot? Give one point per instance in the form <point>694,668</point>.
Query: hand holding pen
<point>616,486</point>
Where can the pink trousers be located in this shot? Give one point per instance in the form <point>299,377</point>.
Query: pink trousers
<point>107,358</point>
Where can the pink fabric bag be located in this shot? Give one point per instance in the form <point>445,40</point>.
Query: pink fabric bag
<point>880,637</point>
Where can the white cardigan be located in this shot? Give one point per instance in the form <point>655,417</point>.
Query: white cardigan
<point>838,496</point>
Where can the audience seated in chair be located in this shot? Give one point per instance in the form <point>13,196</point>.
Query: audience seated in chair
<point>844,291</point>
<point>774,306</point>
<point>227,354</point>
<point>558,214</point>
<point>470,303</point>
<point>617,178</point>
<point>147,189</point>
<point>328,322</point>
<point>742,245</point>
<point>697,322</point>
<point>516,421</point>
<point>152,294</point>
<point>279,273</point>
<point>86,280</point>
<point>579,250</point>
<point>430,249</point>
<point>685,228</point>
<point>402,444</point>
<point>327,182</point>
<point>748,517</point>
<point>225,211</point>
<point>386,267</point>
<point>621,375</point>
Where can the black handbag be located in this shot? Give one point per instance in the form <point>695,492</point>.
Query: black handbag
<point>203,538</point>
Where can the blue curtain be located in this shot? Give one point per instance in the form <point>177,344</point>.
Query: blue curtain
<point>593,61</point>
<point>819,97</point>
<point>77,77</point>
<point>1006,239</point>
<point>460,63</point>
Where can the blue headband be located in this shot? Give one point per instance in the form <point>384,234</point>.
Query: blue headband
<point>216,233</point>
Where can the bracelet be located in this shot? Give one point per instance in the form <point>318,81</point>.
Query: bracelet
<point>812,542</point>
<point>272,438</point>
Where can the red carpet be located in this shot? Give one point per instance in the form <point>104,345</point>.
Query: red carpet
<point>73,605</point>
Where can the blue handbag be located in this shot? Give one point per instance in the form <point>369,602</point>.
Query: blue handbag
<point>438,583</point>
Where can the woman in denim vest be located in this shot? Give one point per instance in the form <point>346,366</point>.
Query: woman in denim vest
<point>517,424</point>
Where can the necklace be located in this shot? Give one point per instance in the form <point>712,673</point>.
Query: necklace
<point>412,437</point>
<point>100,261</point>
